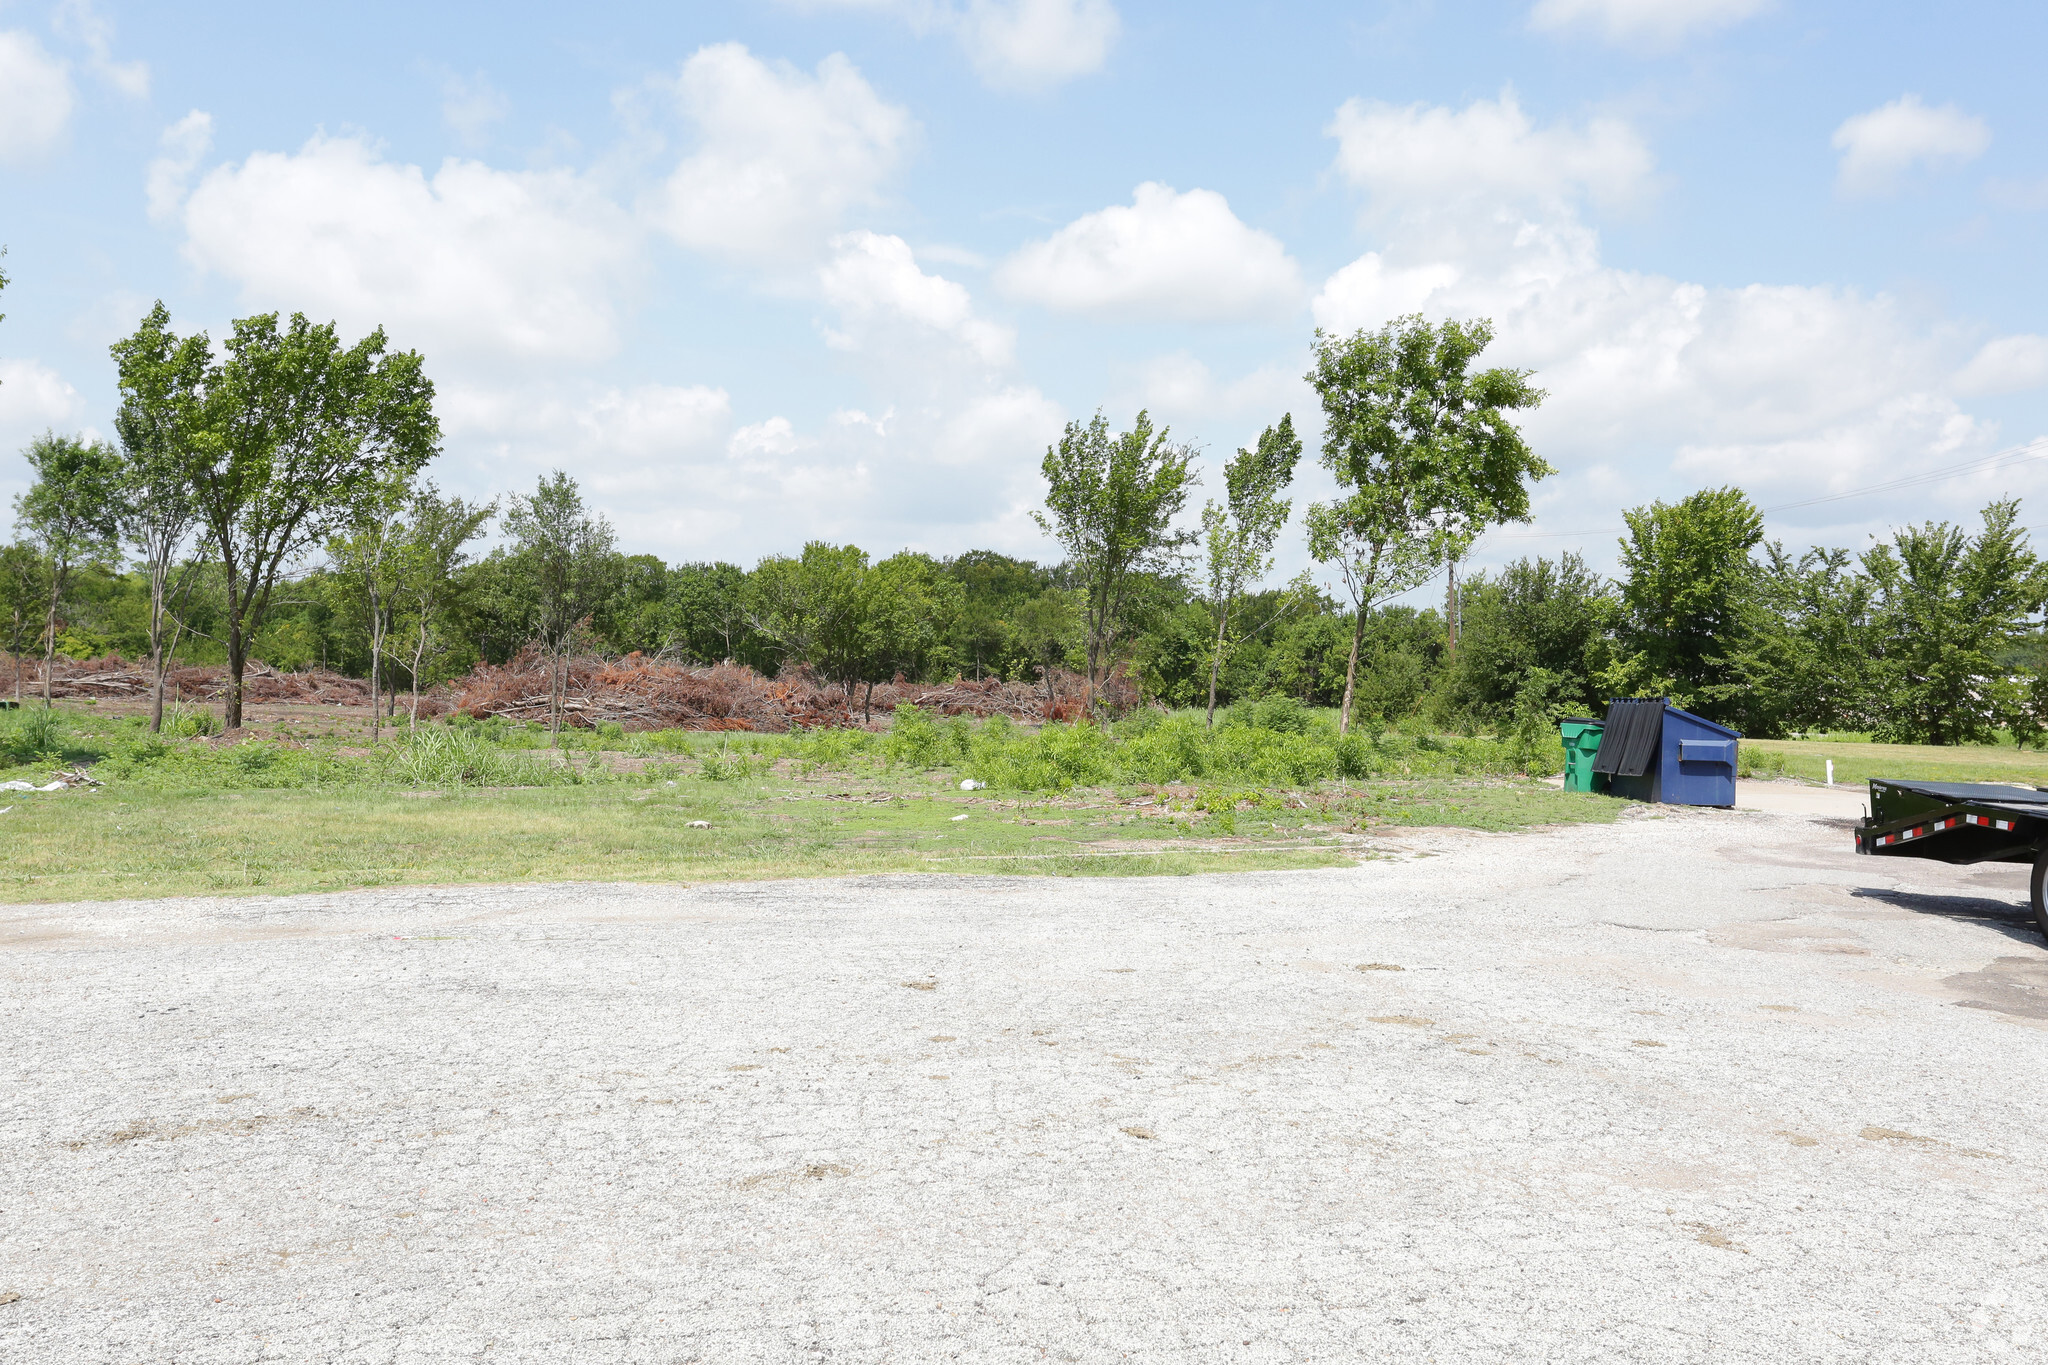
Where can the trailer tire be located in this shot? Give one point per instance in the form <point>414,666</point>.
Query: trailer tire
<point>2037,890</point>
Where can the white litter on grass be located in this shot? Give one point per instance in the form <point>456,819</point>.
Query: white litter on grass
<point>700,824</point>
<point>968,784</point>
<point>19,786</point>
<point>959,817</point>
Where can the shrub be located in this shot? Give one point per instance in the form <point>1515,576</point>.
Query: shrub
<point>33,735</point>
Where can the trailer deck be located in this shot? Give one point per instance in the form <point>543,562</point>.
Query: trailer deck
<point>1961,823</point>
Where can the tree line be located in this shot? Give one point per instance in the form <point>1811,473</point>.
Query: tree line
<point>268,499</point>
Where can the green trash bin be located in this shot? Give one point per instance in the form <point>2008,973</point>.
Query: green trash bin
<point>1581,736</point>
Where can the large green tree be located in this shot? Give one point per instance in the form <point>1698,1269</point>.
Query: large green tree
<point>1110,502</point>
<point>427,588</point>
<point>71,514</point>
<point>1239,532</point>
<point>290,428</point>
<point>24,585</point>
<point>163,383</point>
<point>568,555</point>
<point>1425,452</point>
<point>1534,632</point>
<point>1949,607</point>
<point>1688,591</point>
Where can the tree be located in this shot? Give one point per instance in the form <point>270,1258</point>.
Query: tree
<point>71,514</point>
<point>811,607</point>
<point>366,552</point>
<point>569,554</point>
<point>1947,608</point>
<point>1425,451</point>
<point>908,607</point>
<point>705,615</point>
<point>1110,502</point>
<point>1532,621</point>
<point>1240,532</point>
<point>24,586</point>
<point>162,382</point>
<point>1688,589</point>
<point>292,428</point>
<point>1051,628</point>
<point>430,561</point>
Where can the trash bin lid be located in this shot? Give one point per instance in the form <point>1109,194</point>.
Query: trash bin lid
<point>1634,727</point>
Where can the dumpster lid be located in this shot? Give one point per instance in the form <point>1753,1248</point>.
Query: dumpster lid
<point>1628,745</point>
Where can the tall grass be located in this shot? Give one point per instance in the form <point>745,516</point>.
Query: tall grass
<point>31,735</point>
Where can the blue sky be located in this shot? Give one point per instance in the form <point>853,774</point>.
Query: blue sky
<point>757,272</point>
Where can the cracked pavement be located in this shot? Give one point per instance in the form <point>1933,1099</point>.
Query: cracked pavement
<point>1699,1086</point>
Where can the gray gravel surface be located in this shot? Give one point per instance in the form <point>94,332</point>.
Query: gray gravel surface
<point>1703,1087</point>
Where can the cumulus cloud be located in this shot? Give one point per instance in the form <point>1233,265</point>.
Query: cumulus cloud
<point>1658,24</point>
<point>875,283</point>
<point>1011,44</point>
<point>1879,147</point>
<point>471,106</point>
<point>781,156</point>
<point>1031,44</point>
<point>1790,390</point>
<point>1183,257</point>
<point>471,262</point>
<point>2011,364</point>
<point>1489,151</point>
<point>180,149</point>
<point>35,97</point>
<point>78,20</point>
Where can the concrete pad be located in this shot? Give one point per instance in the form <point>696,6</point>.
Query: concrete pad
<point>1700,1086</point>
<point>1800,798</point>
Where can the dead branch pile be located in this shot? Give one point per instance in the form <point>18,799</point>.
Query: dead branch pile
<point>642,694</point>
<point>117,678</point>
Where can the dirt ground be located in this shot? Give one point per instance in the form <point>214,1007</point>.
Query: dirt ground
<point>1705,1087</point>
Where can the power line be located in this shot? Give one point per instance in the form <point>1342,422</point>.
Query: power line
<point>2004,459</point>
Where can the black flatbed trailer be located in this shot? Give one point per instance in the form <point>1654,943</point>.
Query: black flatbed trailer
<point>1961,823</point>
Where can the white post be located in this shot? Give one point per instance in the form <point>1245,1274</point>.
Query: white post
<point>1831,772</point>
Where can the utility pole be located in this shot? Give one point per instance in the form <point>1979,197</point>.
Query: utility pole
<point>1451,614</point>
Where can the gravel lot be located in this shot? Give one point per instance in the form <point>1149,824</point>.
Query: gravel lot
<point>1703,1087</point>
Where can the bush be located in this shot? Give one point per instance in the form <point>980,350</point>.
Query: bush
<point>32,735</point>
<point>439,756</point>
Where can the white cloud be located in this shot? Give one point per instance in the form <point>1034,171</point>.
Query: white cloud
<point>1011,44</point>
<point>1879,147</point>
<point>1031,44</point>
<point>78,19</point>
<point>1489,151</point>
<point>781,156</point>
<point>1654,24</point>
<point>472,262</point>
<point>875,283</point>
<point>2011,364</point>
<point>1184,257</point>
<point>35,97</point>
<point>471,106</point>
<point>1792,391</point>
<point>34,396</point>
<point>183,145</point>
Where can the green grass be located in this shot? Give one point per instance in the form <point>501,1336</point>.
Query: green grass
<point>136,841</point>
<point>1859,761</point>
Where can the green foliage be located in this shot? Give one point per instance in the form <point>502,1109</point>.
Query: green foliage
<point>32,735</point>
<point>1238,533</point>
<point>1111,502</point>
<point>1687,593</point>
<point>1424,451</point>
<point>1532,618</point>
<point>1947,608</point>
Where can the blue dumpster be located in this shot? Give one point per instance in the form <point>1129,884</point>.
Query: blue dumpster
<point>1652,751</point>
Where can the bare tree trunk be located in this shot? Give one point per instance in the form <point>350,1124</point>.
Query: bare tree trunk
<point>1351,673</point>
<point>867,705</point>
<point>49,648</point>
<point>1216,661</point>
<point>419,655</point>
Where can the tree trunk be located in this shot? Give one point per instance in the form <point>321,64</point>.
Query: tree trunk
<point>156,651</point>
<point>238,661</point>
<point>1216,661</point>
<point>419,655</point>
<point>49,647</point>
<point>1351,673</point>
<point>867,705</point>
